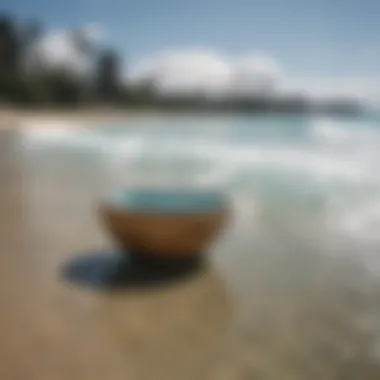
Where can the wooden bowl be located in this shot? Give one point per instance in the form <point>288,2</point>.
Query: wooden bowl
<point>165,223</point>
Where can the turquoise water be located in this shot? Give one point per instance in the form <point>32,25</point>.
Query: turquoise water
<point>319,173</point>
<point>169,200</point>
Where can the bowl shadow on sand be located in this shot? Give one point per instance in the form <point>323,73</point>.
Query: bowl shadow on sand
<point>113,271</point>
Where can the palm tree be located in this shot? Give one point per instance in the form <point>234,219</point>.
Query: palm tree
<point>10,45</point>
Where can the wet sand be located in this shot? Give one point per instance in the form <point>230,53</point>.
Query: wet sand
<point>266,306</point>
<point>11,118</point>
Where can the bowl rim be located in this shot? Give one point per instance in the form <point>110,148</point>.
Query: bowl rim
<point>200,201</point>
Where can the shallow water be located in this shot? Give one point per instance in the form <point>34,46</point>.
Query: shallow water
<point>293,287</point>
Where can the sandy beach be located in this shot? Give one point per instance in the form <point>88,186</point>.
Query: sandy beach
<point>266,306</point>
<point>9,118</point>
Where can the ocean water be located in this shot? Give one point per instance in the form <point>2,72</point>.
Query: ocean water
<point>312,174</point>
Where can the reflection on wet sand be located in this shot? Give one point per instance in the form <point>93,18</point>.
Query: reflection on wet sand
<point>269,307</point>
<point>179,333</point>
<point>168,334</point>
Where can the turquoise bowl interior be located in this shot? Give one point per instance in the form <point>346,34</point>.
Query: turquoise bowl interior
<point>169,200</point>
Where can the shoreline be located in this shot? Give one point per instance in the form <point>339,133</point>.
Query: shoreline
<point>14,118</point>
<point>11,118</point>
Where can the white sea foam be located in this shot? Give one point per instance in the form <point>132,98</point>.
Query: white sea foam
<point>329,171</point>
<point>34,132</point>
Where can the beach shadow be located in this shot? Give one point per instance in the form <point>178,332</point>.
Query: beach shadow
<point>107,271</point>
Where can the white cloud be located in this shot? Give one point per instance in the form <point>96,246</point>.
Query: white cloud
<point>94,32</point>
<point>185,71</point>
<point>360,88</point>
<point>206,71</point>
<point>254,74</point>
<point>59,49</point>
<point>210,72</point>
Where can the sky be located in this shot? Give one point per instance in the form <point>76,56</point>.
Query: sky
<point>330,45</point>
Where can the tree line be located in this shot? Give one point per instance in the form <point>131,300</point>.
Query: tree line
<point>26,81</point>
